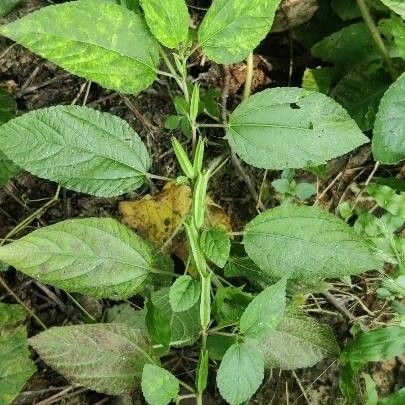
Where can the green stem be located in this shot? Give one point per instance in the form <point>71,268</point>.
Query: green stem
<point>249,77</point>
<point>171,68</point>
<point>375,34</point>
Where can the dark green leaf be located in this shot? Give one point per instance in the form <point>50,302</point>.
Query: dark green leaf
<point>93,256</point>
<point>81,148</point>
<point>7,169</point>
<point>159,386</point>
<point>7,6</point>
<point>346,9</point>
<point>396,5</point>
<point>217,345</point>
<point>319,79</point>
<point>8,107</point>
<point>118,52</point>
<point>306,242</point>
<point>158,324</point>
<point>184,293</point>
<point>240,374</point>
<point>291,128</point>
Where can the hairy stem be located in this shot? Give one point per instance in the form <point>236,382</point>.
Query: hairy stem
<point>368,19</point>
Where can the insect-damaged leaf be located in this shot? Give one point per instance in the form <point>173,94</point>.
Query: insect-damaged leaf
<point>94,256</point>
<point>106,357</point>
<point>97,40</point>
<point>306,242</point>
<point>232,29</point>
<point>291,128</point>
<point>81,148</point>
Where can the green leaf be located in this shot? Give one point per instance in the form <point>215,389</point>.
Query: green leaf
<point>304,191</point>
<point>159,386</point>
<point>16,366</point>
<point>8,107</point>
<point>319,79</point>
<point>346,9</point>
<point>106,357</point>
<point>117,51</point>
<point>202,371</point>
<point>240,374</point>
<point>217,345</point>
<point>172,122</point>
<point>397,398</point>
<point>360,92</point>
<point>80,148</point>
<point>396,5</point>
<point>7,169</point>
<point>7,6</point>
<point>306,242</point>
<point>184,293</point>
<point>129,4</point>
<point>265,312</point>
<point>126,314</point>
<point>215,245</point>
<point>351,46</point>
<point>393,29</point>
<point>389,129</point>
<point>376,345</point>
<point>158,325</point>
<point>372,396</point>
<point>388,199</point>
<point>291,128</point>
<point>231,30</point>
<point>298,342</point>
<point>94,256</point>
<point>168,20</point>
<point>185,326</point>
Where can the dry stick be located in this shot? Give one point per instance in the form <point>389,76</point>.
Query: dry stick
<point>319,198</point>
<point>369,178</point>
<point>249,77</point>
<point>332,300</point>
<point>301,387</point>
<point>375,34</point>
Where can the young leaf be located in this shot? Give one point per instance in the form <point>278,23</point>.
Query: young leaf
<point>376,345</point>
<point>81,148</point>
<point>372,395</point>
<point>388,199</point>
<point>16,366</point>
<point>230,30</point>
<point>159,386</point>
<point>298,341</point>
<point>389,128</point>
<point>397,398</point>
<point>291,128</point>
<point>240,374</point>
<point>319,79</point>
<point>396,5</point>
<point>158,325</point>
<point>182,158</point>
<point>185,326</point>
<point>306,242</point>
<point>97,40</point>
<point>184,293</point>
<point>351,46</point>
<point>304,191</point>
<point>360,92</point>
<point>105,357</point>
<point>94,256</point>
<point>265,312</point>
<point>202,371</point>
<point>168,20</point>
<point>125,313</point>
<point>215,245</point>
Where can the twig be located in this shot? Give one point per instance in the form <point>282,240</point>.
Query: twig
<point>369,178</point>
<point>249,77</point>
<point>332,300</point>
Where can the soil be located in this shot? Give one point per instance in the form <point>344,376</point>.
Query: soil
<point>36,83</point>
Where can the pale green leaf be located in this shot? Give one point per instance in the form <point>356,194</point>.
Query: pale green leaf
<point>94,256</point>
<point>319,79</point>
<point>106,357</point>
<point>185,326</point>
<point>388,199</point>
<point>240,374</point>
<point>306,242</point>
<point>125,313</point>
<point>389,128</point>
<point>168,20</point>
<point>215,245</point>
<point>397,398</point>
<point>80,148</point>
<point>265,312</point>
<point>396,5</point>
<point>16,366</point>
<point>159,386</point>
<point>129,4</point>
<point>298,342</point>
<point>184,293</point>
<point>232,29</point>
<point>97,40</point>
<point>304,191</point>
<point>370,385</point>
<point>360,92</point>
<point>291,128</point>
<point>351,46</point>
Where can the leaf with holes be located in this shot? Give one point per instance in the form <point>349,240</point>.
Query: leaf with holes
<point>80,148</point>
<point>240,374</point>
<point>230,30</point>
<point>159,386</point>
<point>215,245</point>
<point>303,242</point>
<point>389,128</point>
<point>100,41</point>
<point>107,358</point>
<point>291,128</point>
<point>95,256</point>
<point>168,20</point>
